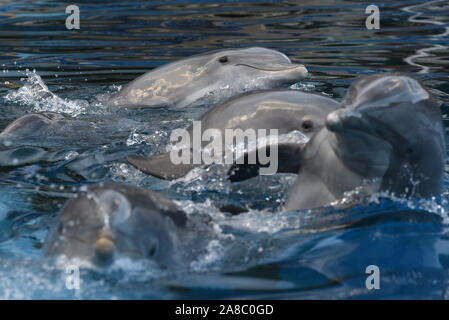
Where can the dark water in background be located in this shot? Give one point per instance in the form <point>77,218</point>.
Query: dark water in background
<point>262,254</point>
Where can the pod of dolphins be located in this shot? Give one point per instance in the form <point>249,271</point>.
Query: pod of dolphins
<point>385,136</point>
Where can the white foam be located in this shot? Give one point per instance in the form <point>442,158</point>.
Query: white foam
<point>35,93</point>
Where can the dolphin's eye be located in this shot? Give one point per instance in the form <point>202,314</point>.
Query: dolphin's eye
<point>307,125</point>
<point>223,59</point>
<point>409,150</point>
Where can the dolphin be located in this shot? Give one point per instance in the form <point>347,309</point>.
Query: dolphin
<point>55,129</point>
<point>39,136</point>
<point>112,219</point>
<point>210,77</point>
<point>28,124</point>
<point>284,110</point>
<point>388,136</point>
<point>23,140</point>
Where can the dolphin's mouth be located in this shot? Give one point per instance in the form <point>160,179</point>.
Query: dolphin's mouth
<point>276,68</point>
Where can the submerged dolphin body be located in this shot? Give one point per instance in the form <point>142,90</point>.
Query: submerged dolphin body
<point>39,136</point>
<point>48,124</point>
<point>387,137</point>
<point>210,77</point>
<point>284,110</point>
<point>48,129</point>
<point>23,140</point>
<point>116,219</point>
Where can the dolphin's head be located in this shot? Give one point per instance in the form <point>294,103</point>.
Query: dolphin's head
<point>255,68</point>
<point>390,126</point>
<point>104,223</point>
<point>210,78</point>
<point>30,124</point>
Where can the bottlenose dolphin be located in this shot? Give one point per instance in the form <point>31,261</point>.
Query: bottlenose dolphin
<point>30,124</point>
<point>284,110</point>
<point>387,137</point>
<point>210,78</point>
<point>55,129</point>
<point>22,141</point>
<point>39,136</point>
<point>113,219</point>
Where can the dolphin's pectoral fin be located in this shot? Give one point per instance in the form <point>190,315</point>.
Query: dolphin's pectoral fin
<point>160,166</point>
<point>288,161</point>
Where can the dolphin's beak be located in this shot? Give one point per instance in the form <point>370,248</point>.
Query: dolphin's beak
<point>104,249</point>
<point>298,69</point>
<point>345,119</point>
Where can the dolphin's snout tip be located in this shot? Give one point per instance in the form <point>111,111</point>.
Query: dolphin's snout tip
<point>345,118</point>
<point>104,250</point>
<point>333,121</point>
<point>301,69</point>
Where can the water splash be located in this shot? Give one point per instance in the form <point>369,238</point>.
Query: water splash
<point>433,205</point>
<point>303,86</point>
<point>36,94</point>
<point>155,140</point>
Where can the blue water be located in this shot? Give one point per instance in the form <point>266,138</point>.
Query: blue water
<point>265,253</point>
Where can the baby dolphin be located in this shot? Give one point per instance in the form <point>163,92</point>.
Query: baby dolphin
<point>284,110</point>
<point>387,137</point>
<point>210,77</point>
<point>113,219</point>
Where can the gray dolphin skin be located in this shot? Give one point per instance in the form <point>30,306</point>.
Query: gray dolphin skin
<point>51,128</point>
<point>285,110</point>
<point>22,140</point>
<point>31,137</point>
<point>113,219</point>
<point>387,137</point>
<point>30,124</point>
<point>210,78</point>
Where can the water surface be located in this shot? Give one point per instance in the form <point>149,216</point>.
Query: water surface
<point>264,253</point>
